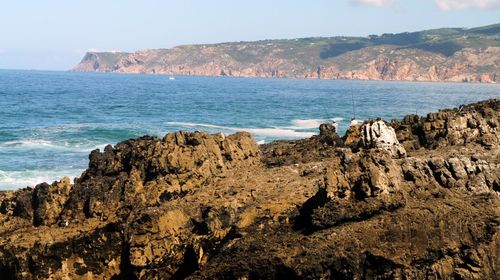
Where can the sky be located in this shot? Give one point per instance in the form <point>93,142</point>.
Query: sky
<point>55,34</point>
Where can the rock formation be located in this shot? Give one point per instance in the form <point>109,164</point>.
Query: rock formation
<point>200,206</point>
<point>377,134</point>
<point>454,55</point>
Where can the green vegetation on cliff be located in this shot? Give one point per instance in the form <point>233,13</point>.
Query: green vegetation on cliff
<point>453,54</point>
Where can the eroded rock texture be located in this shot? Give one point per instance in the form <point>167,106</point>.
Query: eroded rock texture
<point>200,206</point>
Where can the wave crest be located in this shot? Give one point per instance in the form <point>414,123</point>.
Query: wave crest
<point>275,132</point>
<point>41,144</point>
<point>12,180</point>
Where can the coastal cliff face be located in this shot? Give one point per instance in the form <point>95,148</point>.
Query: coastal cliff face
<point>416,198</point>
<point>457,55</point>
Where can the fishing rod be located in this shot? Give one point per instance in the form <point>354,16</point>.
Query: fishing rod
<point>353,106</point>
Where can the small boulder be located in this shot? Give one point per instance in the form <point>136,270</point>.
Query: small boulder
<point>377,134</point>
<point>329,135</point>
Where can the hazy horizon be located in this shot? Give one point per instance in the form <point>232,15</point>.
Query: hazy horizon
<point>55,34</point>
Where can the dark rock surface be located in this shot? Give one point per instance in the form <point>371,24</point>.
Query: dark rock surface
<point>200,206</point>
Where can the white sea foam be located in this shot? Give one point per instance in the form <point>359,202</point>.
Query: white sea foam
<point>12,180</point>
<point>41,144</point>
<point>285,132</point>
<point>277,132</point>
<point>189,124</point>
<point>306,124</point>
<point>28,143</point>
<point>309,124</point>
<point>100,147</point>
<point>299,128</point>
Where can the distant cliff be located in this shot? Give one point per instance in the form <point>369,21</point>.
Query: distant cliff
<point>448,54</point>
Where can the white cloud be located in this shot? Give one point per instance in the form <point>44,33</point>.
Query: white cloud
<point>377,3</point>
<point>447,5</point>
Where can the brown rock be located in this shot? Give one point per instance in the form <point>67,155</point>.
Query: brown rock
<point>200,206</point>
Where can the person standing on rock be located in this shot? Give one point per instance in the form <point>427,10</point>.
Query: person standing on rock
<point>353,121</point>
<point>335,126</point>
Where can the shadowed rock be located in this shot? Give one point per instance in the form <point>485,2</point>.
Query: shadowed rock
<point>201,206</point>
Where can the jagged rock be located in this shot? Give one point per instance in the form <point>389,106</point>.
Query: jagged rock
<point>23,205</point>
<point>49,201</point>
<point>152,170</point>
<point>369,173</point>
<point>329,135</point>
<point>474,123</point>
<point>353,137</point>
<point>200,206</point>
<point>376,134</point>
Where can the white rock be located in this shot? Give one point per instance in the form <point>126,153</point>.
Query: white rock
<point>379,135</point>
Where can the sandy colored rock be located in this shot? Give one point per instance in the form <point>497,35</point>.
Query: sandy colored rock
<point>201,206</point>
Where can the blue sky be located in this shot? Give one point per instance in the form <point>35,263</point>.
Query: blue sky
<point>55,34</point>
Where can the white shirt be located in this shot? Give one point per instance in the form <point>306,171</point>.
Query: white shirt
<point>336,126</point>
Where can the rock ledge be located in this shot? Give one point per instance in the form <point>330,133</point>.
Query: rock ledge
<point>411,199</point>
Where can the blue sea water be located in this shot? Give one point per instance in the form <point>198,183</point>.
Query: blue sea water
<point>50,121</point>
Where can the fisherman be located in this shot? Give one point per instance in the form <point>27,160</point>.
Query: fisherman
<point>353,121</point>
<point>335,126</point>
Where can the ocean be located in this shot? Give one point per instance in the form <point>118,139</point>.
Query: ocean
<point>50,121</point>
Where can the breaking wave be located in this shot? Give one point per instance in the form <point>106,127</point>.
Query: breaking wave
<point>273,132</point>
<point>298,128</point>
<point>40,144</point>
<point>12,180</point>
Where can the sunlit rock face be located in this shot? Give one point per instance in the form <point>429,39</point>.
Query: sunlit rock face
<point>377,134</point>
<point>193,205</point>
<point>458,55</point>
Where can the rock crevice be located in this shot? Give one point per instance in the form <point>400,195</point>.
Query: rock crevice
<point>411,199</point>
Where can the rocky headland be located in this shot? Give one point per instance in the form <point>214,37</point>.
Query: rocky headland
<point>416,198</point>
<point>447,54</point>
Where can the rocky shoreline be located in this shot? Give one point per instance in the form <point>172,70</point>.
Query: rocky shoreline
<point>466,65</point>
<point>416,198</point>
<point>439,55</point>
